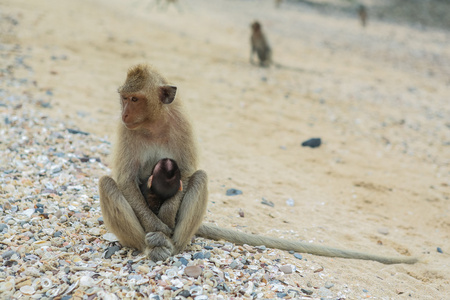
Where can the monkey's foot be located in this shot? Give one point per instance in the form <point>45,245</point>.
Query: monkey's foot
<point>160,253</point>
<point>161,245</point>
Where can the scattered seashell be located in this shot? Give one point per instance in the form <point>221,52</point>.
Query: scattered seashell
<point>27,290</point>
<point>40,244</point>
<point>110,237</point>
<point>193,271</point>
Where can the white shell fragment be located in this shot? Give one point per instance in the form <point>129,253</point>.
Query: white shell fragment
<point>27,290</point>
<point>110,237</point>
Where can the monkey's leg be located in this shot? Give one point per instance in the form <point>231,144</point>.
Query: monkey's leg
<point>118,215</point>
<point>192,209</point>
<point>160,244</point>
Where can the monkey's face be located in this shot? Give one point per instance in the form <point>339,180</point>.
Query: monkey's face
<point>256,26</point>
<point>141,108</point>
<point>134,110</point>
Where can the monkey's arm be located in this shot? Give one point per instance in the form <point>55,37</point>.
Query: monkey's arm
<point>217,233</point>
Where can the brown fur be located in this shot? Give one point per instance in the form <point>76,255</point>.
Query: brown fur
<point>139,147</point>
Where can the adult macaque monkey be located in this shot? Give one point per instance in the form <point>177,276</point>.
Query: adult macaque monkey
<point>154,127</point>
<point>260,45</point>
<point>362,13</point>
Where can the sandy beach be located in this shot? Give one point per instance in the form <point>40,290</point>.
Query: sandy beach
<point>378,97</point>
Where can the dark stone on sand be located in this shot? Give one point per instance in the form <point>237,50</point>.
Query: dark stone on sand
<point>184,261</point>
<point>298,255</point>
<point>184,293</point>
<point>110,251</point>
<point>439,250</point>
<point>313,143</point>
<point>198,255</point>
<point>267,202</point>
<point>75,131</point>
<point>233,192</point>
<point>307,292</point>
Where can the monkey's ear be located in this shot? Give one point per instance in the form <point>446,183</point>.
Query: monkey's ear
<point>167,93</point>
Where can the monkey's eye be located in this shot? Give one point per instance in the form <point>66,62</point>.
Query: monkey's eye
<point>134,99</point>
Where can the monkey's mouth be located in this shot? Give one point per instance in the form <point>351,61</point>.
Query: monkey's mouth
<point>131,126</point>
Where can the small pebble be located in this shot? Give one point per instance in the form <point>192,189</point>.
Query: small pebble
<point>439,250</point>
<point>75,131</point>
<point>234,264</point>
<point>208,247</point>
<point>329,285</point>
<point>198,255</point>
<point>313,143</point>
<point>184,293</point>
<point>233,192</point>
<point>267,202</point>
<point>193,271</point>
<point>286,269</point>
<point>184,261</point>
<point>241,213</point>
<point>7,254</point>
<point>307,292</point>
<point>298,255</point>
<point>110,251</point>
<point>3,227</point>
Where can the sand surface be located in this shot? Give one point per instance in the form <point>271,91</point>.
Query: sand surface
<point>378,97</point>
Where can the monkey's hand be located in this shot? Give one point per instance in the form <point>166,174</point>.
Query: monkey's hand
<point>161,245</point>
<point>163,228</point>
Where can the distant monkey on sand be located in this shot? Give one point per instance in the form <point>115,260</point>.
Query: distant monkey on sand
<point>362,12</point>
<point>260,45</point>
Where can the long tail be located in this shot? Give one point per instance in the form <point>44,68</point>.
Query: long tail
<point>217,233</point>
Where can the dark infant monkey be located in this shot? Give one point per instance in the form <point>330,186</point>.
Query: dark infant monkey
<point>163,184</point>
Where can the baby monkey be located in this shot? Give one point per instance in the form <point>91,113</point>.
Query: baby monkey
<point>163,184</point>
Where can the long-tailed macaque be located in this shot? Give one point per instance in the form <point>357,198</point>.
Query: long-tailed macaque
<point>260,45</point>
<point>162,185</point>
<point>153,127</point>
<point>362,13</point>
